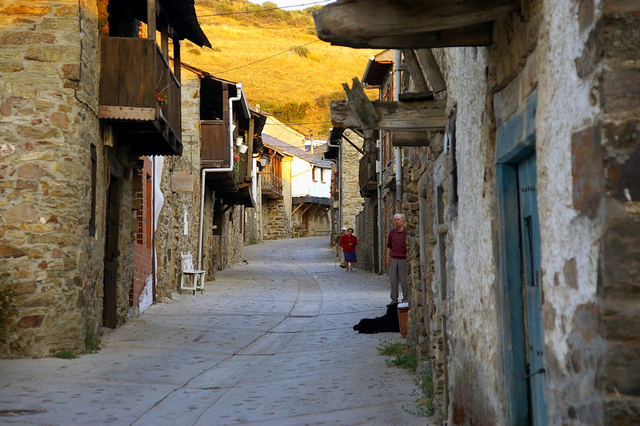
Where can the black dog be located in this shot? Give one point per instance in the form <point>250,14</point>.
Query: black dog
<point>386,323</point>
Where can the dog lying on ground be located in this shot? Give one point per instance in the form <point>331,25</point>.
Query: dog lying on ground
<point>384,324</point>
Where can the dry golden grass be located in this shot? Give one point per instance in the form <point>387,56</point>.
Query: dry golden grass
<point>240,43</point>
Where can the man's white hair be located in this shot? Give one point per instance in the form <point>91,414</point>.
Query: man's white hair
<point>400,215</point>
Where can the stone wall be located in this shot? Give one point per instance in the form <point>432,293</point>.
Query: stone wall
<point>351,201</point>
<point>615,70</point>
<point>577,59</point>
<point>48,104</point>
<point>276,224</point>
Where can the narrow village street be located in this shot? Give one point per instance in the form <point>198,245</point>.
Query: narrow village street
<point>270,342</point>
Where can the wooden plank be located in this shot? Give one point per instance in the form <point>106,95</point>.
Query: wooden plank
<point>305,210</point>
<point>419,81</point>
<point>410,139</point>
<point>360,105</point>
<point>423,115</point>
<point>126,113</point>
<point>151,19</point>
<point>365,23</point>
<point>431,67</point>
<point>109,65</point>
<point>474,35</point>
<point>249,154</point>
<point>296,209</point>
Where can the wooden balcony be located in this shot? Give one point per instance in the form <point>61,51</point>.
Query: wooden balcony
<point>368,177</point>
<point>214,147</point>
<point>133,75</point>
<point>271,185</point>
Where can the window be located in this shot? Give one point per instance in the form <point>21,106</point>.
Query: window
<point>313,173</point>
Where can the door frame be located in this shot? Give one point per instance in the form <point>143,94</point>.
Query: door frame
<point>516,140</point>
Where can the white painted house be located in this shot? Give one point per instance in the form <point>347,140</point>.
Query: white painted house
<point>310,188</point>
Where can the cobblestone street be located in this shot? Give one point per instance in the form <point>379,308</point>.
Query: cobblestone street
<point>270,342</point>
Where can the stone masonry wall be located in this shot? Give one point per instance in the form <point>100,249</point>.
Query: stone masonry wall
<point>48,104</point>
<point>350,192</point>
<point>617,76</point>
<point>180,184</point>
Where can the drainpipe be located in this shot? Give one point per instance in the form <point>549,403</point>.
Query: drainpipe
<point>217,170</point>
<point>398,150</point>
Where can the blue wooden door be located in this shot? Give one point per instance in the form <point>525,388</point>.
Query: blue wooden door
<point>530,249</point>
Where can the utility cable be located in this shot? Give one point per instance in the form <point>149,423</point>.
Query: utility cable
<point>268,57</point>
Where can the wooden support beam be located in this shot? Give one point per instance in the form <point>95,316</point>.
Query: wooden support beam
<point>360,105</point>
<point>410,139</point>
<point>315,210</point>
<point>419,81</point>
<point>249,153</point>
<point>431,67</point>
<point>319,212</point>
<point>296,209</point>
<point>408,24</point>
<point>151,19</point>
<point>403,116</point>
<point>305,210</point>
<point>352,144</point>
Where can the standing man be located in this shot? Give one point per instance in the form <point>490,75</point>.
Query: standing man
<point>343,264</point>
<point>397,258</point>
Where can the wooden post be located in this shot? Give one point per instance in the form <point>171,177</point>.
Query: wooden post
<point>425,56</point>
<point>164,42</point>
<point>151,19</point>
<point>177,60</point>
<point>361,106</point>
<point>417,75</point>
<point>252,123</point>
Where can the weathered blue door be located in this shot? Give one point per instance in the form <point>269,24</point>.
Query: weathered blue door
<point>530,250</point>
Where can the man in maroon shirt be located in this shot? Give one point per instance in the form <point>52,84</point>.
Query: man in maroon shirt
<point>397,258</point>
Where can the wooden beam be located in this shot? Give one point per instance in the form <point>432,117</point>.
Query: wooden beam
<point>385,24</point>
<point>249,152</point>
<point>305,210</point>
<point>431,67</point>
<point>403,116</point>
<point>321,212</point>
<point>361,105</point>
<point>151,19</point>
<point>296,209</point>
<point>314,211</point>
<point>417,75</point>
<point>352,144</point>
<point>410,139</point>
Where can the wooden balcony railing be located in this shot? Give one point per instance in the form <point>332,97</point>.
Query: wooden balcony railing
<point>139,96</point>
<point>271,185</point>
<point>368,177</point>
<point>214,146</point>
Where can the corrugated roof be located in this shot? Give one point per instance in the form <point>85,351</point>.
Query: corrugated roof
<point>293,151</point>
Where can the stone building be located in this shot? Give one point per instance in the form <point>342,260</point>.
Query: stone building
<point>275,190</point>
<point>344,149</point>
<point>521,201</point>
<point>70,160</point>
<point>310,188</point>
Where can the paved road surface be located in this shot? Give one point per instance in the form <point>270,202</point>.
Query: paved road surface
<point>269,343</point>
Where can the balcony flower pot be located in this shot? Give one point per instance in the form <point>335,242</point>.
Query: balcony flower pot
<point>242,148</point>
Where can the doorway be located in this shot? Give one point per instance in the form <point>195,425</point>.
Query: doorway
<point>519,267</point>
<point>110,286</point>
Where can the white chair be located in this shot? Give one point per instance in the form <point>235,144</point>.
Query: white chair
<point>196,276</point>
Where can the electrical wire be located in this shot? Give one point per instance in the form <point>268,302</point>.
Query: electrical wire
<point>268,57</point>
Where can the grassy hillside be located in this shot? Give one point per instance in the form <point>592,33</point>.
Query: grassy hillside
<point>284,67</point>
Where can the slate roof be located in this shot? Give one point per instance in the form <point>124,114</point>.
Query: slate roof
<point>286,148</point>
